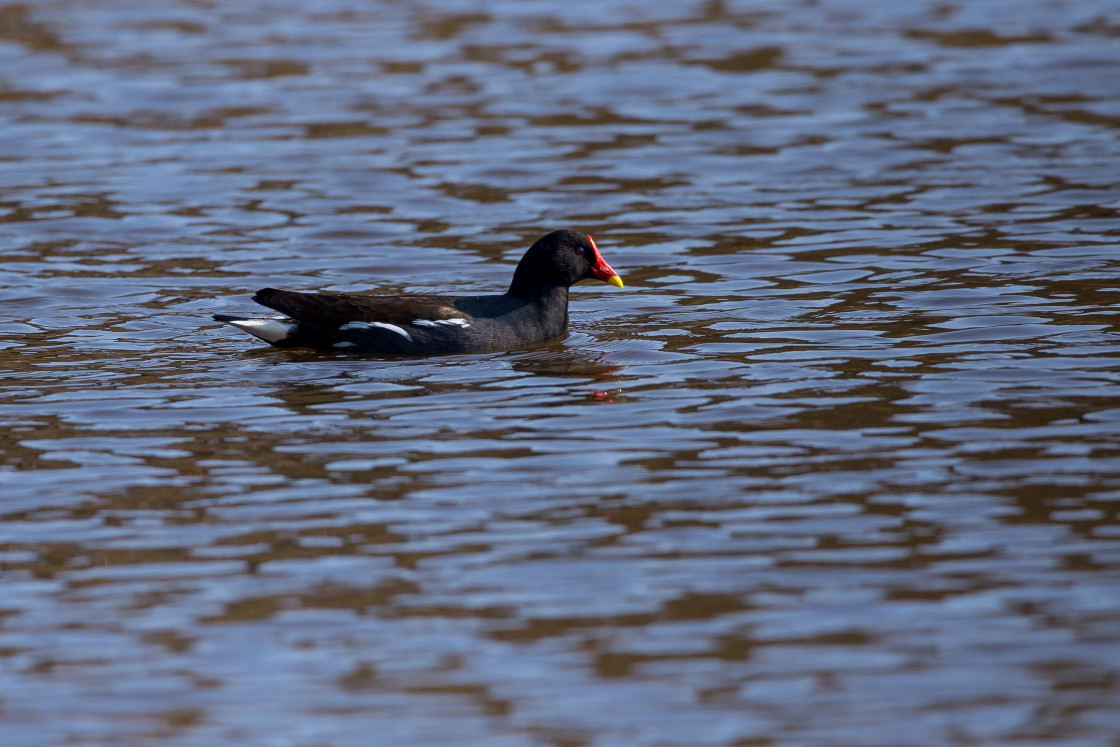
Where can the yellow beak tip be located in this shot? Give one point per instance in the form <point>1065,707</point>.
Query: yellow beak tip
<point>616,281</point>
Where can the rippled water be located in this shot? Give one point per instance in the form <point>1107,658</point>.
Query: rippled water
<point>840,465</point>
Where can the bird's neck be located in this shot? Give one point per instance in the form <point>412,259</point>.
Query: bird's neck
<point>547,307</point>
<point>530,283</point>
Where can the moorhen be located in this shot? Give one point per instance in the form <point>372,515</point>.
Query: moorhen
<point>533,310</point>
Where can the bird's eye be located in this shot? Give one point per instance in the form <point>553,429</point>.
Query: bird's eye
<point>579,250</point>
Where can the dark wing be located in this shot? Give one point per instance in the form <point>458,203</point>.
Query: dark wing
<point>330,311</point>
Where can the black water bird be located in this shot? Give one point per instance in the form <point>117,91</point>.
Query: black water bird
<point>533,310</point>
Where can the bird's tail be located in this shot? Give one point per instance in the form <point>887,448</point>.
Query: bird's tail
<point>273,329</point>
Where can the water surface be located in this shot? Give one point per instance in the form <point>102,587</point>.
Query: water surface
<point>840,465</point>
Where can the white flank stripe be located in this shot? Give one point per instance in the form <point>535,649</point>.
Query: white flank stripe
<point>344,344</point>
<point>370,325</point>
<point>450,322</point>
<point>269,330</point>
<point>399,330</point>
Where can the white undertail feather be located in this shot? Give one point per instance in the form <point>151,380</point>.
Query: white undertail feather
<point>269,330</point>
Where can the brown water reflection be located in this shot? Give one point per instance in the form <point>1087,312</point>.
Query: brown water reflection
<point>839,466</point>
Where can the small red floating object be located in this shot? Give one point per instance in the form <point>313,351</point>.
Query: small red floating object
<point>600,396</point>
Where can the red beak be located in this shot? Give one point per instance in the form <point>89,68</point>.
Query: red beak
<point>600,269</point>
